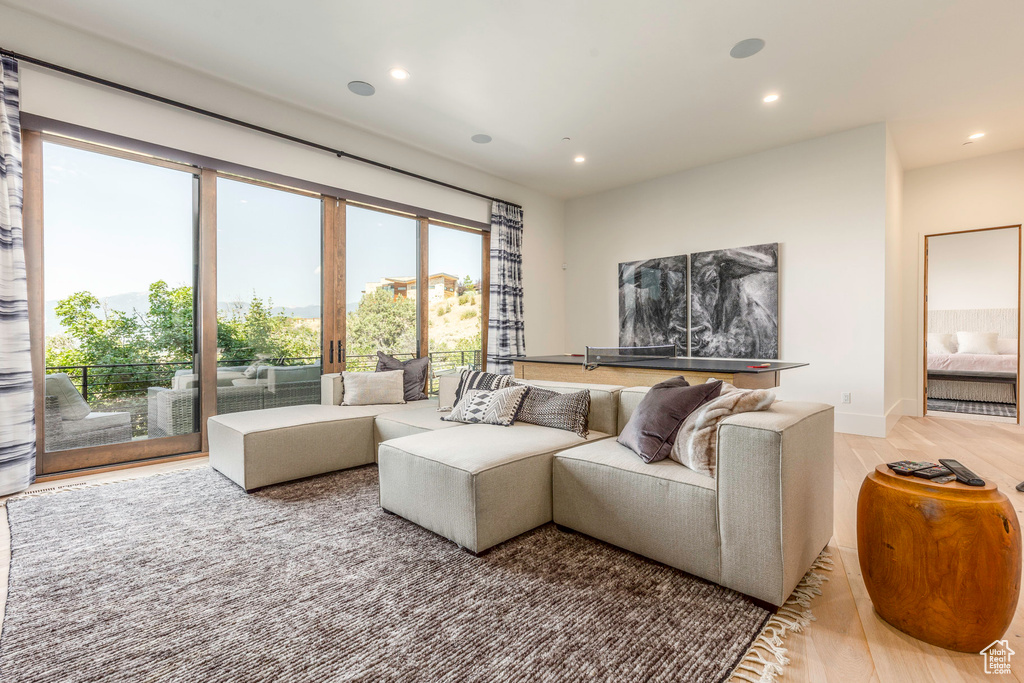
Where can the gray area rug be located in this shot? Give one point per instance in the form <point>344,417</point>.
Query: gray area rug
<point>183,577</point>
<point>972,407</point>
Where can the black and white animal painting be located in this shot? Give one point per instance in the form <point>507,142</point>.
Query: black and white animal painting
<point>734,304</point>
<point>652,302</point>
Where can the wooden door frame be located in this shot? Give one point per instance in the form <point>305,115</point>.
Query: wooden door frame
<point>333,285</point>
<point>924,393</point>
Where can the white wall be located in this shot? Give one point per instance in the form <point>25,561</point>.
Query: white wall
<point>985,192</point>
<point>823,200</point>
<point>894,405</point>
<point>973,270</point>
<point>48,94</point>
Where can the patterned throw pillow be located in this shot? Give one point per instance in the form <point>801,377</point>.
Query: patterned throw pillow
<point>487,381</point>
<point>552,409</point>
<point>488,407</point>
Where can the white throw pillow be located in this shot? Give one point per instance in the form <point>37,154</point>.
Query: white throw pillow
<point>373,388</point>
<point>940,342</point>
<point>498,407</point>
<point>980,343</point>
<point>701,454</point>
<point>1007,347</point>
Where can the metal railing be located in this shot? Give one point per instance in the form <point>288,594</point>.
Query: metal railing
<point>117,380</point>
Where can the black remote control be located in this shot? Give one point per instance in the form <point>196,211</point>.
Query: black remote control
<point>963,475</point>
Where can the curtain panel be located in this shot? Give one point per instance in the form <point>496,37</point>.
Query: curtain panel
<point>505,328</point>
<point>17,413</point>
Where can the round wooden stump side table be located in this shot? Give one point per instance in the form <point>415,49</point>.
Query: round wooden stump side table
<point>941,562</point>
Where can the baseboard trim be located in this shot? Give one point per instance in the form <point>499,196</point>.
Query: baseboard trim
<point>861,424</point>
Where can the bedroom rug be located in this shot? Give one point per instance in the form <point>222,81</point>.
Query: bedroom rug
<point>183,577</point>
<point>972,407</point>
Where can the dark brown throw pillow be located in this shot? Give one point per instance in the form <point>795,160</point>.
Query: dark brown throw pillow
<point>652,428</point>
<point>415,374</point>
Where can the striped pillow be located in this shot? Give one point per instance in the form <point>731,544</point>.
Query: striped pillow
<point>488,381</point>
<point>488,407</point>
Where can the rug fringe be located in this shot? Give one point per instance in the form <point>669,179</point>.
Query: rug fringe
<point>63,488</point>
<point>766,658</point>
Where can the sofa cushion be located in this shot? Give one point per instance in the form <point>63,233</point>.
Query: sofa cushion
<point>72,405</point>
<point>414,373</point>
<point>651,431</point>
<point>560,411</point>
<point>95,421</point>
<point>497,407</point>
<point>487,381</point>
<point>399,423</point>
<point>604,401</point>
<point>373,388</point>
<point>660,510</point>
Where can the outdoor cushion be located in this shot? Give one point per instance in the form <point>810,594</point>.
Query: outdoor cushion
<point>72,405</point>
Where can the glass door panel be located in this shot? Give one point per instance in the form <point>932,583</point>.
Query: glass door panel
<point>380,282</point>
<point>269,301</point>
<point>456,300</point>
<point>119,291</point>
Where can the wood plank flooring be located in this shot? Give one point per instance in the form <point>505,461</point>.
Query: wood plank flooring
<point>848,642</point>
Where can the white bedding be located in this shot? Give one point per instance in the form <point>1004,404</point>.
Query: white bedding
<point>970,362</point>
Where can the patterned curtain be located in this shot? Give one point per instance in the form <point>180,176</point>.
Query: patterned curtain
<point>505,336</point>
<point>17,414</point>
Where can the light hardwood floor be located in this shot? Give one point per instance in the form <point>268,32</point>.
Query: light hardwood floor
<point>848,642</point>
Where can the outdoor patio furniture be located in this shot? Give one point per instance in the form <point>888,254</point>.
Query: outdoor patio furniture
<point>69,421</point>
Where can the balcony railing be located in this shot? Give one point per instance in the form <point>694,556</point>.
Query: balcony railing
<point>113,381</point>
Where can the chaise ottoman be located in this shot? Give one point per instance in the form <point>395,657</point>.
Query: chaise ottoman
<point>477,485</point>
<point>263,447</point>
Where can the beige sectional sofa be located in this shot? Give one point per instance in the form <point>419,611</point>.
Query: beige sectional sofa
<point>756,527</point>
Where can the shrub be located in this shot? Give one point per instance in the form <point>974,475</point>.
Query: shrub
<point>471,313</point>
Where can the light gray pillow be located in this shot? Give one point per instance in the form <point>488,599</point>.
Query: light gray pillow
<point>373,388</point>
<point>497,407</point>
<point>72,405</point>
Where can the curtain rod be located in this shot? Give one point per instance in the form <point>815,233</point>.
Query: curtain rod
<point>244,124</point>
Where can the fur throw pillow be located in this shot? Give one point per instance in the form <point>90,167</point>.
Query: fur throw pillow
<point>702,446</point>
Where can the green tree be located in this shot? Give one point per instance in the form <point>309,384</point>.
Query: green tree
<point>382,322</point>
<point>170,321</point>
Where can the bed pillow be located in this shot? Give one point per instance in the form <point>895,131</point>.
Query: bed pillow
<point>487,381</point>
<point>940,342</point>
<point>652,428</point>
<point>702,446</point>
<point>980,343</point>
<point>552,409</point>
<point>1007,347</point>
<point>488,407</point>
<point>414,373</point>
<point>373,388</point>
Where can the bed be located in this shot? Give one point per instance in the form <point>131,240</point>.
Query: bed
<point>985,377</point>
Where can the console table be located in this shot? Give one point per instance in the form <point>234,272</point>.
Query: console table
<point>941,562</point>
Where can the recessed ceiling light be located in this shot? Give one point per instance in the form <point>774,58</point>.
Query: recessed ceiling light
<point>361,88</point>
<point>771,98</point>
<point>975,136</point>
<point>399,73</point>
<point>481,138</point>
<point>746,48</point>
<point>580,159</point>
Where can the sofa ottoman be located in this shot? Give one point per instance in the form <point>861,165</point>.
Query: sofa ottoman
<point>263,447</point>
<point>477,485</point>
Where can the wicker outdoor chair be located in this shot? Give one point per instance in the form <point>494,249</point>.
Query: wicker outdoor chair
<point>69,422</point>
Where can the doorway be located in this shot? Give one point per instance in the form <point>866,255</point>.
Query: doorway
<point>972,324</point>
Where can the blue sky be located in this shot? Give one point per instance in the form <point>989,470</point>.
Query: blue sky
<point>114,226</point>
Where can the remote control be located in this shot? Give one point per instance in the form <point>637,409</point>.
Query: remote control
<point>907,467</point>
<point>944,480</point>
<point>932,473</point>
<point>963,475</point>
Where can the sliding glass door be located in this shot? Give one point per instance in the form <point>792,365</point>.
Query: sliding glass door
<point>381,266</point>
<point>456,295</point>
<point>269,310</point>
<point>119,305</point>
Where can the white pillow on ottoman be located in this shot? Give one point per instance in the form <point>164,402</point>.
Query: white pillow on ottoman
<point>373,388</point>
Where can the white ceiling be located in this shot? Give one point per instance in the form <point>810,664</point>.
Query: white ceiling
<point>643,88</point>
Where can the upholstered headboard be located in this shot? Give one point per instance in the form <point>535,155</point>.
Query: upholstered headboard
<point>1001,320</point>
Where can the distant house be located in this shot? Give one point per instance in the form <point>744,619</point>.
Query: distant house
<point>440,286</point>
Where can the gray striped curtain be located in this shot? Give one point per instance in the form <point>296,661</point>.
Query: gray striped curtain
<point>505,335</point>
<point>17,414</point>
